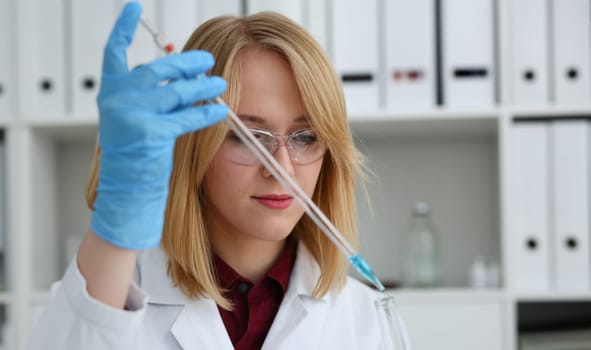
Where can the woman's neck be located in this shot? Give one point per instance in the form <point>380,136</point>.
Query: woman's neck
<point>251,258</point>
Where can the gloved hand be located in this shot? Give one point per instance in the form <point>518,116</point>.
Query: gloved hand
<point>139,122</point>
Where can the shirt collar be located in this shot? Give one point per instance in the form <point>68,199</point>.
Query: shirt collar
<point>279,272</point>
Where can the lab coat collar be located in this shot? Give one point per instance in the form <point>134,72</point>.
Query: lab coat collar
<point>154,279</point>
<point>199,324</point>
<point>288,331</point>
<point>304,276</point>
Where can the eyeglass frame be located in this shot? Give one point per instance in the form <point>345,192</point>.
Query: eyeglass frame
<point>280,139</point>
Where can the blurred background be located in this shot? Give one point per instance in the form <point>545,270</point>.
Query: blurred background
<point>474,116</point>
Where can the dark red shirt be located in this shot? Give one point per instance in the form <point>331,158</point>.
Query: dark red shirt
<point>254,305</point>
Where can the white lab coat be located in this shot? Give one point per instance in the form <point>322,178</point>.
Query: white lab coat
<point>161,317</point>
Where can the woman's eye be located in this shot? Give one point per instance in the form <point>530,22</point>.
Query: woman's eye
<point>234,138</point>
<point>265,139</point>
<point>306,138</point>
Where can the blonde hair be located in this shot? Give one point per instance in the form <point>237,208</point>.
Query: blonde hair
<point>185,239</point>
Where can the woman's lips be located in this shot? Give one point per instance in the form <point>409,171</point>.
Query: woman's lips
<point>275,201</point>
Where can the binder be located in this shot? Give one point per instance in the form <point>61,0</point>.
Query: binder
<point>179,21</point>
<point>354,48</point>
<point>315,21</point>
<point>89,25</point>
<point>571,139</point>
<point>293,9</point>
<point>410,53</point>
<point>43,44</point>
<point>3,209</point>
<point>571,50</point>
<point>7,60</point>
<point>468,53</point>
<point>310,14</point>
<point>209,9</point>
<point>529,45</point>
<point>529,241</point>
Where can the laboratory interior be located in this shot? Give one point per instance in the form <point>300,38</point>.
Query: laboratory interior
<point>474,117</point>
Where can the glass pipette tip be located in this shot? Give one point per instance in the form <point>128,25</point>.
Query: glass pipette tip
<point>286,181</point>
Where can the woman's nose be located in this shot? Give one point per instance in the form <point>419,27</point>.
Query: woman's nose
<point>283,157</point>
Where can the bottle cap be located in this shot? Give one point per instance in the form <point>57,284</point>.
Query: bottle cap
<point>422,209</point>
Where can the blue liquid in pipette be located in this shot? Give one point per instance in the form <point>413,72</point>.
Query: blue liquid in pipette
<point>363,268</point>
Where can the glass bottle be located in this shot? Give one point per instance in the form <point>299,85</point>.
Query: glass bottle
<point>420,267</point>
<point>391,327</point>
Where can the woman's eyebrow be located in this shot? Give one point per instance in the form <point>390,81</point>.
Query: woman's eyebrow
<point>302,119</point>
<point>253,119</point>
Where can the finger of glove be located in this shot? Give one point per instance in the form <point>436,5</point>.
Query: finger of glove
<point>182,93</point>
<point>186,65</point>
<point>196,118</point>
<point>115,56</point>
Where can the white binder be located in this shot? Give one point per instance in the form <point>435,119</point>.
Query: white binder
<point>571,35</point>
<point>529,45</point>
<point>529,241</point>
<point>410,53</point>
<point>7,60</point>
<point>354,46</point>
<point>178,21</point>
<point>43,43</point>
<point>293,9</point>
<point>310,14</point>
<point>315,21</point>
<point>3,206</point>
<point>208,9</point>
<point>571,140</point>
<point>90,22</point>
<point>468,53</point>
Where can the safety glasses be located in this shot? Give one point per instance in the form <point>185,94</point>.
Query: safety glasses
<point>303,146</point>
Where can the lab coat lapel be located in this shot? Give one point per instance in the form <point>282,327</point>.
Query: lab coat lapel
<point>199,324</point>
<point>300,318</point>
<point>200,327</point>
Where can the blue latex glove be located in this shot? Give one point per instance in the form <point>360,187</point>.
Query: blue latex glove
<point>139,123</point>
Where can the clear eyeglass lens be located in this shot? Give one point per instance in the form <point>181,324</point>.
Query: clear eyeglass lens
<point>303,146</point>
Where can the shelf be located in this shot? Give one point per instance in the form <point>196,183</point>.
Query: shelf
<point>425,128</point>
<point>448,295</point>
<point>61,120</point>
<point>61,159</point>
<point>458,176</point>
<point>552,296</point>
<point>428,122</point>
<point>84,131</point>
<point>458,159</point>
<point>440,113</point>
<point>550,111</point>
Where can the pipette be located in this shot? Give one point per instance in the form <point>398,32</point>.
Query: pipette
<point>286,181</point>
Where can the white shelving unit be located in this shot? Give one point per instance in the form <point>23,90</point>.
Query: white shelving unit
<point>456,159</point>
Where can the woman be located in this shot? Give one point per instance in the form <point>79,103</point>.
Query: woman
<point>235,263</point>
